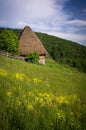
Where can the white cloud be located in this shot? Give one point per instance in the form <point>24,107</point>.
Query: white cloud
<point>32,9</point>
<point>29,10</point>
<point>21,24</point>
<point>2,22</point>
<point>77,22</point>
<point>70,36</point>
<point>42,15</point>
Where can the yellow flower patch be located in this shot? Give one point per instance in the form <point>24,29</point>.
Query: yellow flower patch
<point>61,115</point>
<point>37,80</point>
<point>9,94</point>
<point>3,72</point>
<point>19,76</point>
<point>68,99</point>
<point>30,107</point>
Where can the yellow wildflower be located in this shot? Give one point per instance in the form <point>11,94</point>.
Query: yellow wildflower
<point>60,99</point>
<point>18,102</point>
<point>3,72</point>
<point>25,101</point>
<point>51,124</point>
<point>74,99</point>
<point>14,88</point>
<point>40,94</point>
<point>67,99</point>
<point>41,100</point>
<point>42,104</point>
<point>36,80</point>
<point>9,94</point>
<point>36,99</point>
<point>31,94</point>
<point>19,76</point>
<point>46,95</point>
<point>71,113</point>
<point>24,97</point>
<point>61,115</point>
<point>30,107</point>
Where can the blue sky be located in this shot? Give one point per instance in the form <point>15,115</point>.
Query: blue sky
<point>62,18</point>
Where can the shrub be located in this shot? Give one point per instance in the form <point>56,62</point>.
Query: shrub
<point>32,57</point>
<point>9,41</point>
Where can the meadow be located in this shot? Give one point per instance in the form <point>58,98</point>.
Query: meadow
<point>41,97</point>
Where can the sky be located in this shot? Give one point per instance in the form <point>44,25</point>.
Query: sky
<point>61,18</point>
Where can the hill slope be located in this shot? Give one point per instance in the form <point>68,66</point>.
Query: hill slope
<point>64,51</point>
<point>63,79</point>
<point>29,92</point>
<point>61,50</point>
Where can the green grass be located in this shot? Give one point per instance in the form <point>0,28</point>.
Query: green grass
<point>38,97</point>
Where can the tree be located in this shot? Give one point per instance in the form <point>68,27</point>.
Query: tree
<point>9,41</point>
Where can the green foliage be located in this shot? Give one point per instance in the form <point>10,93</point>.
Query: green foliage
<point>17,32</point>
<point>32,57</point>
<point>35,97</point>
<point>9,41</point>
<point>61,50</point>
<point>64,51</point>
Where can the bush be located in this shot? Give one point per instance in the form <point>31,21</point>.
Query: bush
<point>9,41</point>
<point>32,57</point>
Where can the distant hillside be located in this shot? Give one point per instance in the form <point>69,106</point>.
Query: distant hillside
<point>62,51</point>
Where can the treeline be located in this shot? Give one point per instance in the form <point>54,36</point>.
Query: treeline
<point>8,41</point>
<point>64,51</point>
<point>61,50</point>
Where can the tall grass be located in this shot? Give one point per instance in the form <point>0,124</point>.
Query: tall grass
<point>36,97</point>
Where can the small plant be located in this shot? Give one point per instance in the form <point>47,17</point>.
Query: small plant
<point>32,57</point>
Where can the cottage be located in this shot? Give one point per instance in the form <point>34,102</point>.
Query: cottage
<point>29,43</point>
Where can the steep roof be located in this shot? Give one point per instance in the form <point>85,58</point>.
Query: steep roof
<point>29,42</point>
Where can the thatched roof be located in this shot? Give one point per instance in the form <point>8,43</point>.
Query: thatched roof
<point>29,43</point>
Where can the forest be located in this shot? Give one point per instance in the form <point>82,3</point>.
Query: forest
<point>64,51</point>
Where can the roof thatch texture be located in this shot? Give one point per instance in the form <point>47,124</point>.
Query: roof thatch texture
<point>29,43</point>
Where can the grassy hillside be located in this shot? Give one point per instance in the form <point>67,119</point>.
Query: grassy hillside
<point>37,97</point>
<point>61,50</point>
